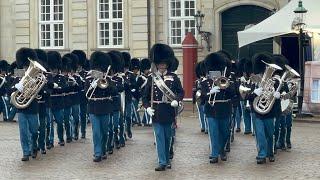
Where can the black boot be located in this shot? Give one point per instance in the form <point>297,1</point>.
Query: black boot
<point>34,153</point>
<point>272,159</point>
<point>261,160</point>
<point>214,160</point>
<point>97,159</point>
<point>25,158</point>
<point>160,168</point>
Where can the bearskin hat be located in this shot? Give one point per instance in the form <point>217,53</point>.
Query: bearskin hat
<point>216,62</point>
<point>54,60</point>
<point>42,57</point>
<point>248,67</point>
<point>74,62</point>
<point>280,60</point>
<point>4,65</point>
<point>22,56</point>
<point>174,65</point>
<point>203,68</point>
<point>126,58</point>
<point>257,62</point>
<point>198,70</point>
<point>240,65</point>
<point>66,63</point>
<point>100,61</point>
<point>117,61</point>
<point>162,53</point>
<point>82,57</point>
<point>145,64</point>
<point>225,54</point>
<point>135,64</point>
<point>13,66</point>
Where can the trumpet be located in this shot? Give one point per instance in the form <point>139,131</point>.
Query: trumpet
<point>222,82</point>
<point>100,78</point>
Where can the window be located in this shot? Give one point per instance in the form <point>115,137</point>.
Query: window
<point>110,23</point>
<point>315,92</point>
<point>51,24</point>
<point>181,20</point>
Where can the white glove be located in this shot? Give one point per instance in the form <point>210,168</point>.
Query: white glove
<point>94,83</point>
<point>55,86</point>
<point>258,91</point>
<point>276,95</point>
<point>174,104</point>
<point>198,93</point>
<point>133,90</point>
<point>242,79</point>
<point>19,86</point>
<point>150,111</point>
<point>214,90</point>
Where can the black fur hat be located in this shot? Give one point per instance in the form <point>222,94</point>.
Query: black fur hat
<point>240,65</point>
<point>54,60</point>
<point>280,60</point>
<point>74,62</point>
<point>248,68</point>
<point>258,65</point>
<point>13,66</point>
<point>22,56</point>
<point>145,64</point>
<point>174,65</point>
<point>117,61</point>
<point>42,57</point>
<point>100,61</point>
<point>203,68</point>
<point>4,65</point>
<point>135,64</point>
<point>126,58</point>
<point>162,53</point>
<point>216,62</point>
<point>66,63</point>
<point>198,70</point>
<point>225,54</point>
<point>82,57</point>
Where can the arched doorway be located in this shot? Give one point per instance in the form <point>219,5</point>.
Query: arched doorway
<point>236,19</point>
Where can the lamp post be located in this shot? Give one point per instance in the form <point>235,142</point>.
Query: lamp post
<point>204,34</point>
<point>300,12</point>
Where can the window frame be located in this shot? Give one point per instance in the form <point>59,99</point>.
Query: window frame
<point>52,22</point>
<point>315,90</point>
<point>182,18</point>
<point>111,21</point>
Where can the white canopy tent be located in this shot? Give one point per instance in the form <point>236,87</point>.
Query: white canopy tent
<point>280,23</point>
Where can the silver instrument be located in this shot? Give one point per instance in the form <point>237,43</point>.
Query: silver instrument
<point>223,83</point>
<point>292,79</point>
<point>100,78</point>
<point>33,81</point>
<point>3,80</point>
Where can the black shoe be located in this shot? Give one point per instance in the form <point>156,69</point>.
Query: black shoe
<point>97,159</point>
<point>249,132</point>
<point>25,158</point>
<point>160,168</point>
<point>43,151</point>
<point>253,134</point>
<point>238,130</point>
<point>223,157</point>
<point>61,143</point>
<point>69,140</point>
<point>206,132</point>
<point>261,160</point>
<point>272,159</point>
<point>110,152</point>
<point>169,166</point>
<point>34,154</point>
<point>130,135</point>
<point>76,138</point>
<point>202,130</point>
<point>122,145</point>
<point>227,149</point>
<point>171,156</point>
<point>289,146</point>
<point>283,148</point>
<point>214,160</point>
<point>104,157</point>
<point>83,136</point>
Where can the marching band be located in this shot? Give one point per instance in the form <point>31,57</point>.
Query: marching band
<point>46,90</point>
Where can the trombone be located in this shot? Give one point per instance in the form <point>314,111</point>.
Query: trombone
<point>101,80</point>
<point>223,82</point>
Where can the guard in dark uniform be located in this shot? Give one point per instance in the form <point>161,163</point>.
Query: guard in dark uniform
<point>218,107</point>
<point>196,97</point>
<point>136,94</point>
<point>4,85</point>
<point>129,87</point>
<point>82,73</point>
<point>12,110</point>
<point>57,84</point>
<point>42,98</point>
<point>114,124</point>
<point>158,106</point>
<point>99,91</point>
<point>145,66</point>
<point>27,117</point>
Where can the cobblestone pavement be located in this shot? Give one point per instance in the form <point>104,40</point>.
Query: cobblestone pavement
<point>138,159</point>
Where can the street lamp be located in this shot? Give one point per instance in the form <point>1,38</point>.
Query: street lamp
<point>204,34</point>
<point>299,24</point>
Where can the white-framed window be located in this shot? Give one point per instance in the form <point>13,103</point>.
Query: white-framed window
<point>110,23</point>
<point>51,24</point>
<point>315,91</point>
<point>181,20</point>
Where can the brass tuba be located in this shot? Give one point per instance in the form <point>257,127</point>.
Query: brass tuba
<point>33,81</point>
<point>264,103</point>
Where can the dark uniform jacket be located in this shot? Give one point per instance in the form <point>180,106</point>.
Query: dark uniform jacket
<point>56,100</point>
<point>118,81</point>
<point>101,102</point>
<point>129,84</point>
<point>82,93</point>
<point>164,113</point>
<point>222,108</point>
